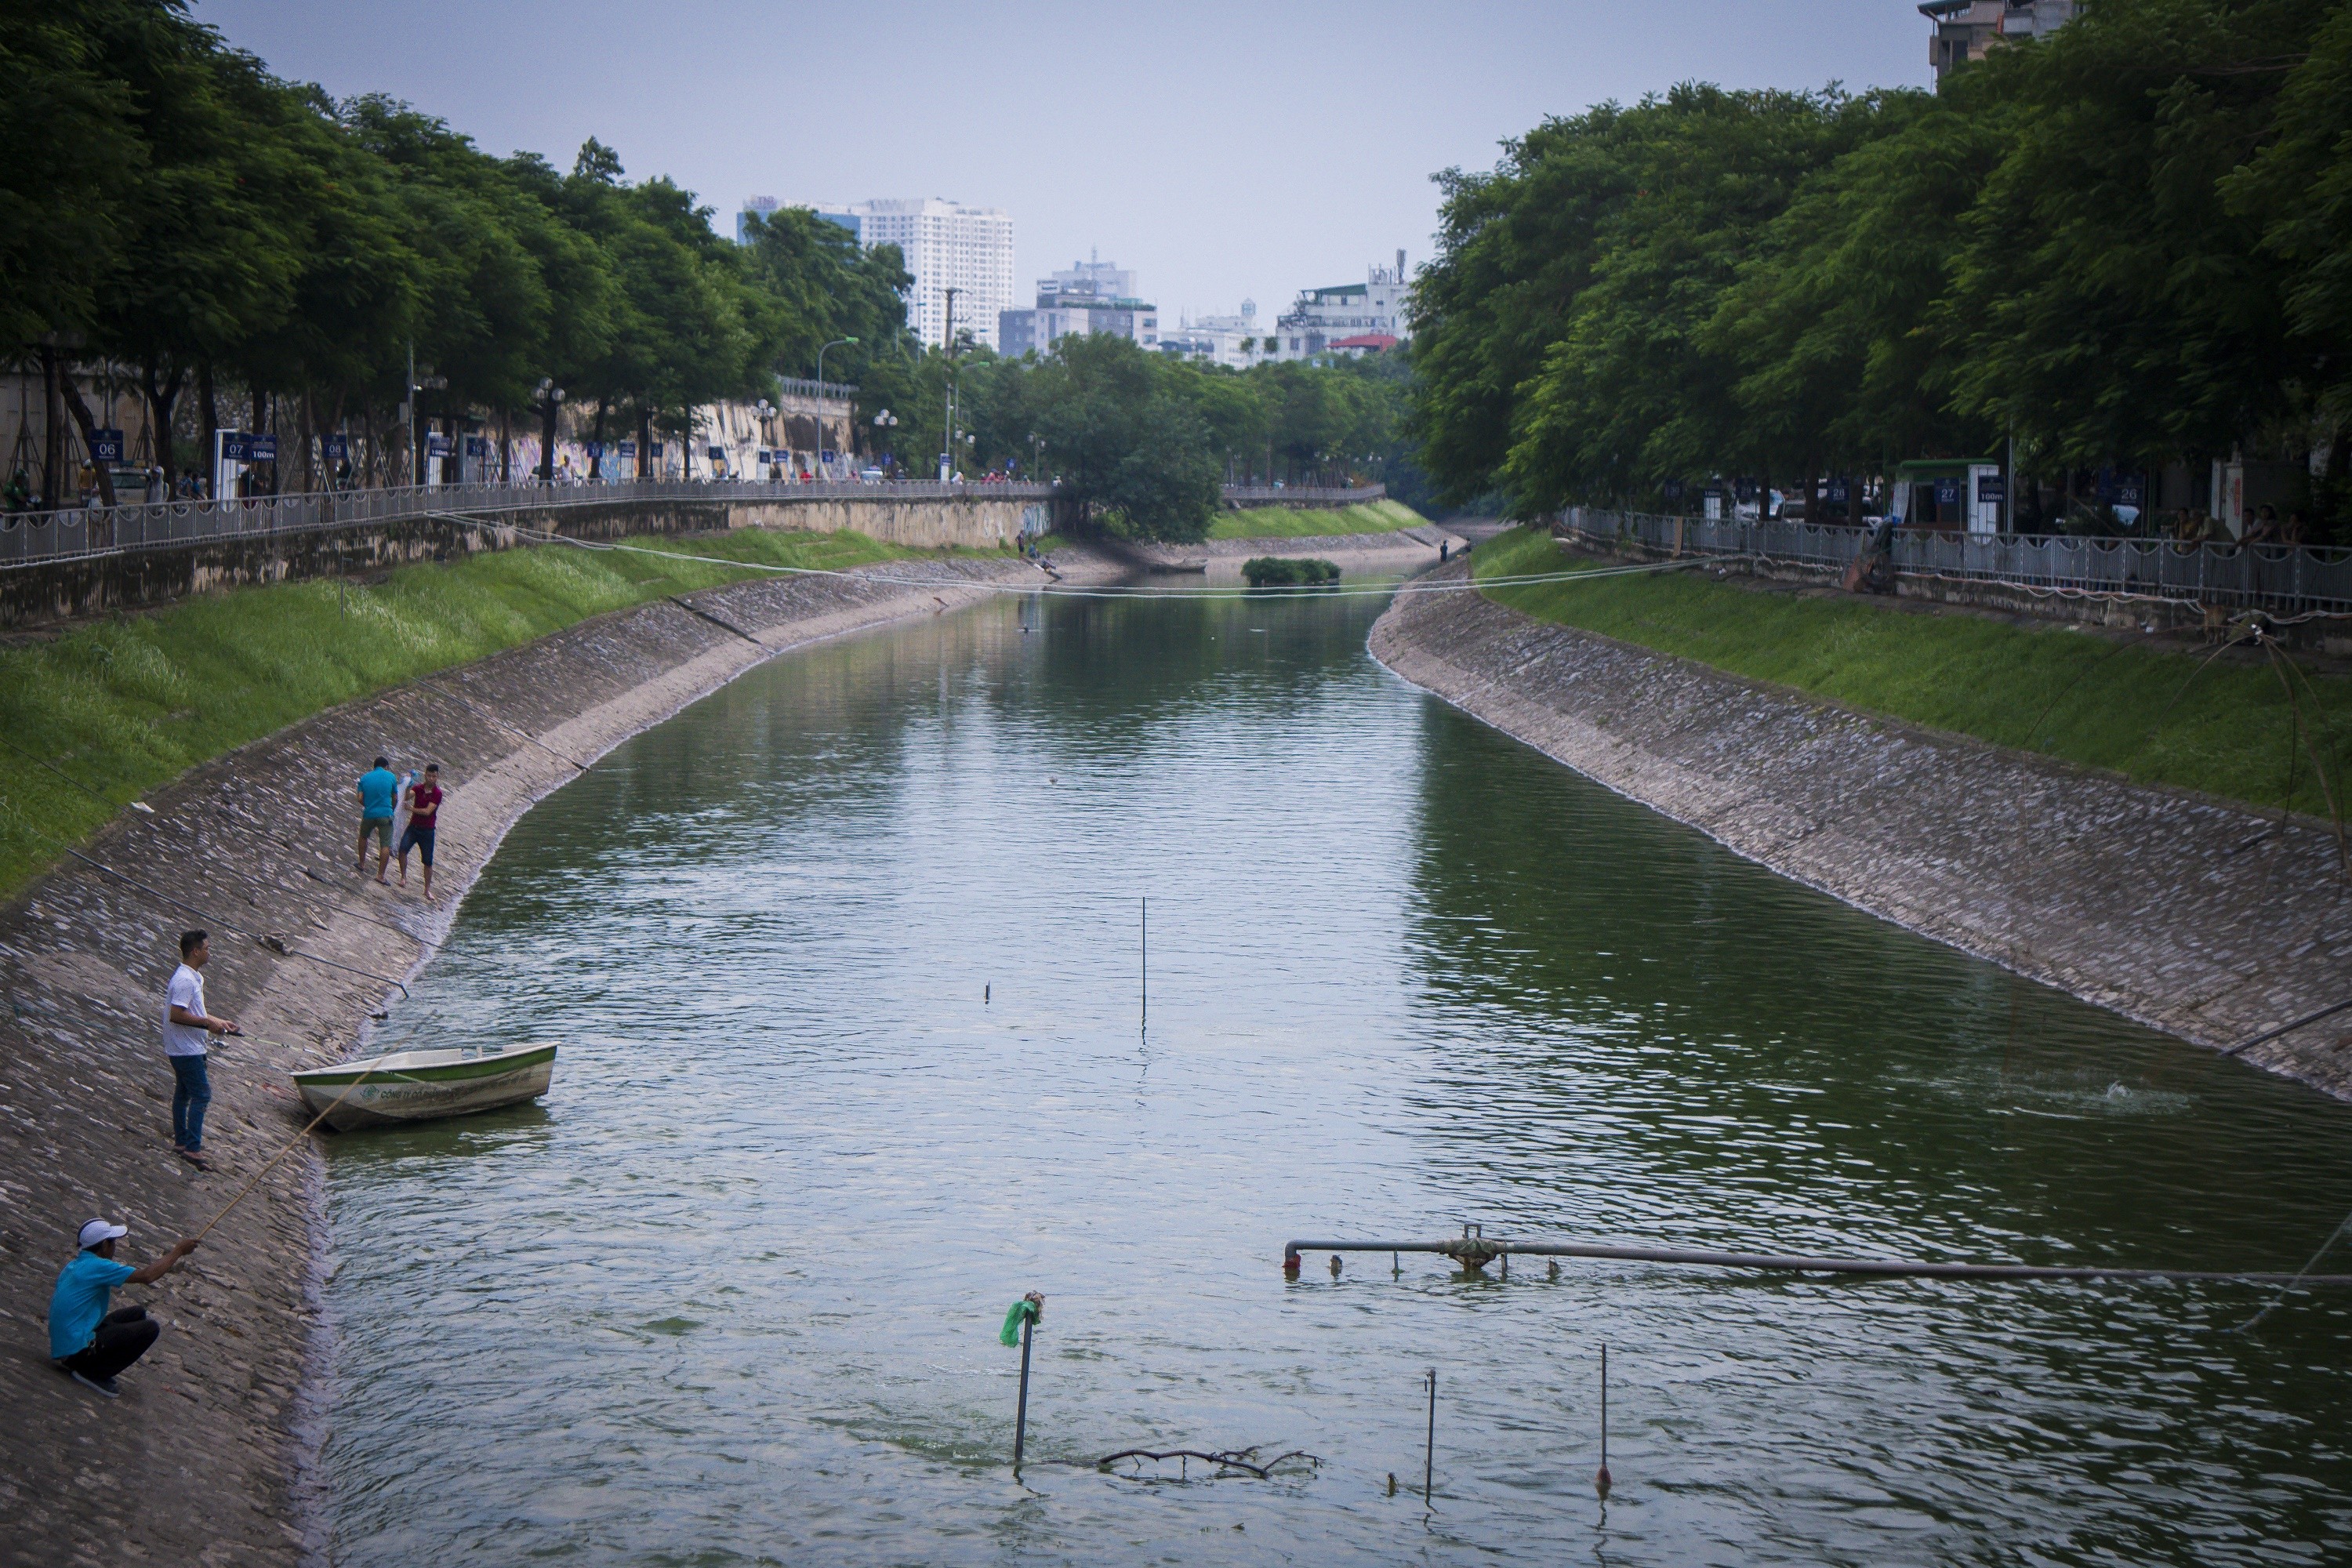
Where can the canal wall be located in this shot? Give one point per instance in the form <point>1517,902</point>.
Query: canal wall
<point>45,591</point>
<point>2194,915</point>
<point>1404,550</point>
<point>205,1456</point>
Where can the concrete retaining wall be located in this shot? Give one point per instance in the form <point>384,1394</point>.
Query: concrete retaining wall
<point>62,590</point>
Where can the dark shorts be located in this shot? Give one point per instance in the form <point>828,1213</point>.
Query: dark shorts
<point>419,840</point>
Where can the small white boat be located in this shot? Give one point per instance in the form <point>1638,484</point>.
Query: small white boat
<point>419,1086</point>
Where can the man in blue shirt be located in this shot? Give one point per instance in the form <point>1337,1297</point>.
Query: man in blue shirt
<point>379,793</point>
<point>84,1338</point>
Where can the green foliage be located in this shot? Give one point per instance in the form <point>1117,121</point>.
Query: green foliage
<point>2155,717</point>
<point>128,704</point>
<point>2124,243</point>
<point>1278,572</point>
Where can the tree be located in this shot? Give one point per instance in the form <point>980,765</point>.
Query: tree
<point>1132,451</point>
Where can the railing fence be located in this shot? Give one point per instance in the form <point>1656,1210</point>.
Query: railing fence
<point>2287,579</point>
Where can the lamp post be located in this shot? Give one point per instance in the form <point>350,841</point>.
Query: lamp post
<point>820,398</point>
<point>885,420</point>
<point>551,403</point>
<point>947,407</point>
<point>767,413</point>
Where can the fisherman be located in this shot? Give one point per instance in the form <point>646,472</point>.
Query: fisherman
<point>379,790</point>
<point>86,1339</point>
<point>186,1027</point>
<point>424,814</point>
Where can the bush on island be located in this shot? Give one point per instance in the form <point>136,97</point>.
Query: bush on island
<point>1278,572</point>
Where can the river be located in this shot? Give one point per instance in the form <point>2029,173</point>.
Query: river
<point>845,964</point>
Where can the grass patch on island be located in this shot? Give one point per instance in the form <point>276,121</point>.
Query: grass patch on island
<point>128,704</point>
<point>1312,522</point>
<point>2150,714</point>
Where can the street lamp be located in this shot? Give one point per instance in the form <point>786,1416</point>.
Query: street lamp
<point>819,396</point>
<point>551,401</point>
<point>767,413</point>
<point>884,421</point>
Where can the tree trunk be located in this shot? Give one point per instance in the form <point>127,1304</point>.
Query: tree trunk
<point>73,394</point>
<point>596,462</point>
<point>645,441</point>
<point>547,413</point>
<point>162,396</point>
<point>52,456</point>
<point>210,397</point>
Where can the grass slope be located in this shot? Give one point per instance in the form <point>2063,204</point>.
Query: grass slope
<point>130,703</point>
<point>2149,714</point>
<point>1312,522</point>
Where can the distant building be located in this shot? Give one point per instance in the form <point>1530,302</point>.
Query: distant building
<point>1087,297</point>
<point>764,206</point>
<point>1235,341</point>
<point>1966,29</point>
<point>946,245</point>
<point>1323,318</point>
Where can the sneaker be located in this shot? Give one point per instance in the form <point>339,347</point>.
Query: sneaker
<point>105,1386</point>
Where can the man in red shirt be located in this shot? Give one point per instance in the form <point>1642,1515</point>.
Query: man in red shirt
<point>423,811</point>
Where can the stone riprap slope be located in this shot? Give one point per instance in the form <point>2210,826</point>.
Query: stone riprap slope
<point>198,1462</point>
<point>2189,913</point>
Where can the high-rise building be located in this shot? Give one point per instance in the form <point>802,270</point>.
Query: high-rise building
<point>1966,29</point>
<point>763,205</point>
<point>946,245</point>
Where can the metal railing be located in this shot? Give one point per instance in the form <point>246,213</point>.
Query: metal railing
<point>31,538</point>
<point>1319,494</point>
<point>2288,579</point>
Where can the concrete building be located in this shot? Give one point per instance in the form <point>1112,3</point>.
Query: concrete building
<point>1966,29</point>
<point>947,245</point>
<point>1094,296</point>
<point>1365,311</point>
<point>1236,340</point>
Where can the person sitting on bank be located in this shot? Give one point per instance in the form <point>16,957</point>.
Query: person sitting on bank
<point>87,1339</point>
<point>379,790</point>
<point>424,814</point>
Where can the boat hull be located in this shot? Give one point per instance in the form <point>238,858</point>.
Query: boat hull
<point>424,1085</point>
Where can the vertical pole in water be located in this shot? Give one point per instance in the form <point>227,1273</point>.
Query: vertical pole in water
<point>1429,1455</point>
<point>1601,1481</point>
<point>1021,1419</point>
<point>1146,950</point>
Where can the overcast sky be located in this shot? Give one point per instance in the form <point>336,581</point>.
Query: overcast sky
<point>1219,150</point>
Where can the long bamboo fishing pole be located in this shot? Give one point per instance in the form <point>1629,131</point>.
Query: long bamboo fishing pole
<point>256,1178</point>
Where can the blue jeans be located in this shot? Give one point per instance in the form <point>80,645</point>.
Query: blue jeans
<point>190,1092</point>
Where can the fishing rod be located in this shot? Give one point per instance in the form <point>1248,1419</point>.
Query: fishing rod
<point>256,1178</point>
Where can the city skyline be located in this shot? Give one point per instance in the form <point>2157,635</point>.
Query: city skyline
<point>1275,152</point>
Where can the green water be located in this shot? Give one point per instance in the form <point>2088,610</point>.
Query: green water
<point>731,1295</point>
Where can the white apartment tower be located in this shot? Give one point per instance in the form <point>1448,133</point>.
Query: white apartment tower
<point>947,245</point>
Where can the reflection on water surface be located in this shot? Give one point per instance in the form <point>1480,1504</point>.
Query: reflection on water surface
<point>731,1296</point>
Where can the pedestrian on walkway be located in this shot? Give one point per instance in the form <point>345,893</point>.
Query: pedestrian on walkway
<point>86,1340</point>
<point>423,816</point>
<point>379,790</point>
<point>186,1028</point>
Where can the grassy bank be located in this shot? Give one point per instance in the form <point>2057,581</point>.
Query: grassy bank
<point>125,705</point>
<point>1310,522</point>
<point>2149,714</point>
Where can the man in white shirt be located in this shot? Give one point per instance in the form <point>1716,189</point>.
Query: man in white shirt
<point>186,1026</point>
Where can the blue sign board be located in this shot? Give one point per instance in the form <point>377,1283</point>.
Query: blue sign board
<point>830,456</point>
<point>596,449</point>
<point>436,446</point>
<point>338,446</point>
<point>2120,488</point>
<point>718,454</point>
<point>477,445</point>
<point>1991,490</point>
<point>628,452</point>
<point>106,445</point>
<point>1948,492</point>
<point>261,449</point>
<point>233,444</point>
<point>1839,493</point>
<point>653,450</point>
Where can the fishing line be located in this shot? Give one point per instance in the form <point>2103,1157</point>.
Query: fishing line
<point>38,762</point>
<point>2279,1299</point>
<point>274,944</point>
<point>256,1178</point>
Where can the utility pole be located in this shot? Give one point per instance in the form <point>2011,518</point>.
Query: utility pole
<point>412,471</point>
<point>947,412</point>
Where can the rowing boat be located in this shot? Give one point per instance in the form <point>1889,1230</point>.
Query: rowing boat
<point>419,1086</point>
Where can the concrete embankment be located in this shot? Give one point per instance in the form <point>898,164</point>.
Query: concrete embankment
<point>197,1462</point>
<point>1380,554</point>
<point>2194,915</point>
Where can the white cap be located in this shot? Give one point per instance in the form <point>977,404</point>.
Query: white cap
<point>97,1230</point>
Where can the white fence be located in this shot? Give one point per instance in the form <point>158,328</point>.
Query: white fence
<point>2288,579</point>
<point>29,538</point>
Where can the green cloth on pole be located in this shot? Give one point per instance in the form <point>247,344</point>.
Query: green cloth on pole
<point>1023,1311</point>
